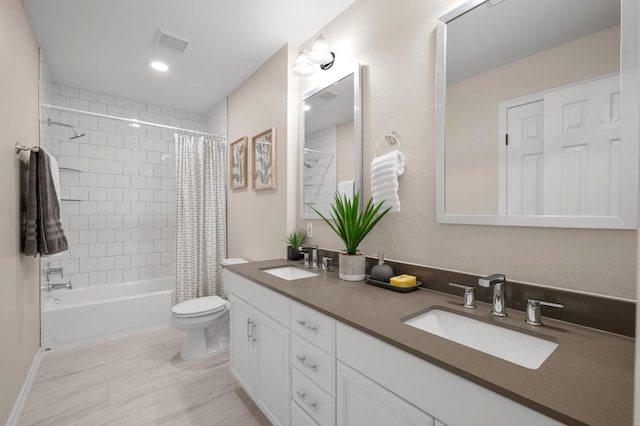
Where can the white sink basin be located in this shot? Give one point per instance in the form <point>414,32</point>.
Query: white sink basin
<point>290,273</point>
<point>519,348</point>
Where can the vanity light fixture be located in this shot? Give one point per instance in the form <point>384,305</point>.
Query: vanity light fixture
<point>159,66</point>
<point>320,54</point>
<point>303,66</point>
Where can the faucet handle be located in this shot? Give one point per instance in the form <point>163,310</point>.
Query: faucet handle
<point>306,258</point>
<point>469,295</point>
<point>326,263</point>
<point>533,316</point>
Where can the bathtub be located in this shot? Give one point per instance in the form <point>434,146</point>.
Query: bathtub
<point>74,317</point>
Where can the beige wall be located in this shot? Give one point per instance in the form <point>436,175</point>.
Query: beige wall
<point>472,112</point>
<point>257,220</point>
<point>396,45</point>
<point>19,298</point>
<point>345,152</point>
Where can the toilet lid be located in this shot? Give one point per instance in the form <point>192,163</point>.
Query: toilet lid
<point>199,306</point>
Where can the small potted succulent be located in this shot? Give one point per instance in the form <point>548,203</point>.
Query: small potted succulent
<point>295,240</point>
<point>352,225</point>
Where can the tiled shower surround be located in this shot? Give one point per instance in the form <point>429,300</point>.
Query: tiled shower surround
<point>320,176</point>
<point>118,202</point>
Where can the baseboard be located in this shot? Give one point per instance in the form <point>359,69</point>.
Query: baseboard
<point>14,416</point>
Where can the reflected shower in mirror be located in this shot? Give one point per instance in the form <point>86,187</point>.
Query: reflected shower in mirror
<point>530,125</point>
<point>331,143</point>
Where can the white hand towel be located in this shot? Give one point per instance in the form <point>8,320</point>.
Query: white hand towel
<point>384,179</point>
<point>345,188</point>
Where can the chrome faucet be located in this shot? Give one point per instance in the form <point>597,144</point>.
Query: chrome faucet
<point>314,256</point>
<point>499,283</point>
<point>50,287</point>
<point>49,271</point>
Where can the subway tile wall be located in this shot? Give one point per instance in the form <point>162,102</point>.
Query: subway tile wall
<point>118,185</point>
<point>320,177</point>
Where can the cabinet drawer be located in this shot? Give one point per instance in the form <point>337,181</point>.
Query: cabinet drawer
<point>362,402</point>
<point>299,417</point>
<point>268,301</point>
<point>312,399</point>
<point>317,328</point>
<point>314,363</point>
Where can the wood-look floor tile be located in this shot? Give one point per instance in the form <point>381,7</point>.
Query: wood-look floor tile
<point>51,407</point>
<point>212,385</point>
<point>137,380</point>
<point>234,408</point>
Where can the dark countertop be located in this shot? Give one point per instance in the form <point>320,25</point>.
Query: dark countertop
<point>588,379</point>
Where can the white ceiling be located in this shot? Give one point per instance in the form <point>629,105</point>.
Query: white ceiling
<point>106,45</point>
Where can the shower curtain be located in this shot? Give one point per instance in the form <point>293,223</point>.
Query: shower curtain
<point>201,235</point>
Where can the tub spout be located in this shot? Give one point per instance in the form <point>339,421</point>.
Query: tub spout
<point>50,287</point>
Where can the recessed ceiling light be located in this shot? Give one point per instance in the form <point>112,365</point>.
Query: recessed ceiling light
<point>159,66</point>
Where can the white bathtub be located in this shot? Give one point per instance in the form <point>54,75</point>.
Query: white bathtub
<point>73,317</point>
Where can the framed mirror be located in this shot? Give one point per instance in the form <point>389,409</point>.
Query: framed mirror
<point>537,114</point>
<point>331,143</point>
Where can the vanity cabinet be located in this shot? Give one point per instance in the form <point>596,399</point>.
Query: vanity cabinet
<point>313,364</point>
<point>447,397</point>
<point>363,402</point>
<point>302,367</point>
<point>260,346</point>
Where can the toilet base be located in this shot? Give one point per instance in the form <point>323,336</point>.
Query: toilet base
<point>195,345</point>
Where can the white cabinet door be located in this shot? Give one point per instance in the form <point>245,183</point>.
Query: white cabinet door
<point>271,387</point>
<point>241,328</point>
<point>361,401</point>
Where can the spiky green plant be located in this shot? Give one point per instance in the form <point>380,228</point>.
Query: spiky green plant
<point>296,238</point>
<point>349,223</point>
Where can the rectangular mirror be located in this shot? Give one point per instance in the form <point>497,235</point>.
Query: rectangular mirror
<point>537,113</point>
<point>331,141</point>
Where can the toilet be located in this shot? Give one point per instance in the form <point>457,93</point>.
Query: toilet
<point>205,321</point>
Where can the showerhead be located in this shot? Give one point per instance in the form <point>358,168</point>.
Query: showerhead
<point>76,135</point>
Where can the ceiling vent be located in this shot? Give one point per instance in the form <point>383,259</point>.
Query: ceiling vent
<point>327,95</point>
<point>171,40</point>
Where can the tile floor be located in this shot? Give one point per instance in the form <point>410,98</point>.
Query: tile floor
<point>137,380</point>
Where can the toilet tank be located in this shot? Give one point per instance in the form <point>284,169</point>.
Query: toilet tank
<point>225,273</point>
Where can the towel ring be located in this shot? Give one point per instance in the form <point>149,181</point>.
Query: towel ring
<point>391,138</point>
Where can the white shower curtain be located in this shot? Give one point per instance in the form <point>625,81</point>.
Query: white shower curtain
<point>201,235</point>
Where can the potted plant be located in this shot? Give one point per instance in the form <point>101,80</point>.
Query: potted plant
<point>295,240</point>
<point>352,226</point>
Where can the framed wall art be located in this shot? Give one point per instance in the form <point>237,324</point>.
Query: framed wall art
<point>238,163</point>
<point>263,146</point>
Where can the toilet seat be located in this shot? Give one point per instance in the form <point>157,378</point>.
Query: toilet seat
<point>199,307</point>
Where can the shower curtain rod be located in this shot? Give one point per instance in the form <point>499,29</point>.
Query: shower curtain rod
<point>134,121</point>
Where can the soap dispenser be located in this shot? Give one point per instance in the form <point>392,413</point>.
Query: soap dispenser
<point>381,271</point>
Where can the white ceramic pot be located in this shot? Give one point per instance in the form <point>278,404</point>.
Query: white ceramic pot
<point>352,268</point>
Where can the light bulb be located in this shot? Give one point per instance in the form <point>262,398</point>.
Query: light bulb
<point>320,53</point>
<point>303,66</point>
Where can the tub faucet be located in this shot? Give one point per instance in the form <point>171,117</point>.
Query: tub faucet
<point>499,283</point>
<point>50,287</point>
<point>53,271</point>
